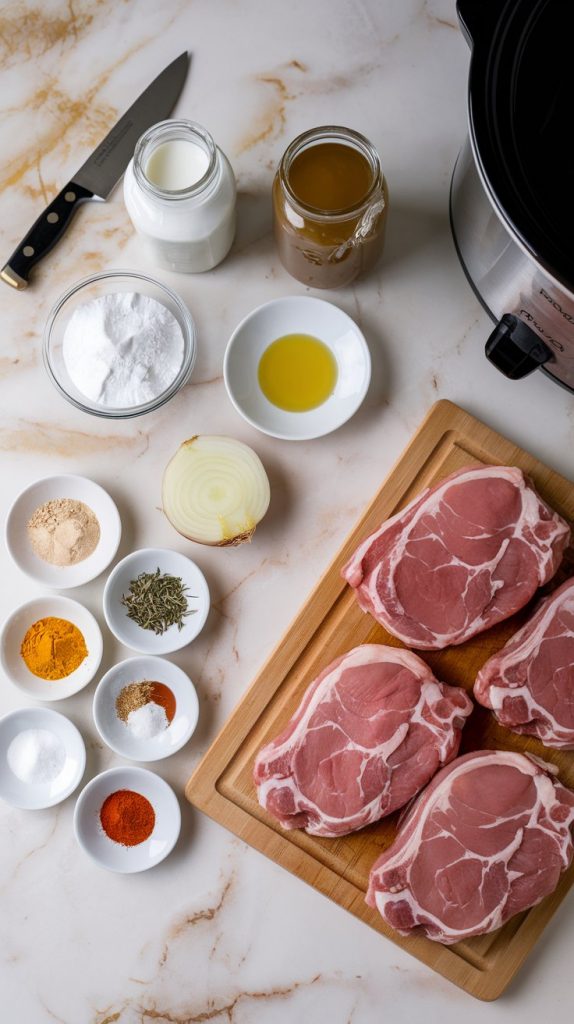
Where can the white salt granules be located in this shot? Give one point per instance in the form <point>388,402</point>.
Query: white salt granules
<point>122,349</point>
<point>36,756</point>
<point>147,721</point>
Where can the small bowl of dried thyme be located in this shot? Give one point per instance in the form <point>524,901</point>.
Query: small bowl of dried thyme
<point>156,601</point>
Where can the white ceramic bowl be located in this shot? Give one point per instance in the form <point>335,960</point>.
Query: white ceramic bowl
<point>33,796</point>
<point>299,314</point>
<point>116,734</point>
<point>114,856</point>
<point>79,488</point>
<point>149,560</point>
<point>15,629</point>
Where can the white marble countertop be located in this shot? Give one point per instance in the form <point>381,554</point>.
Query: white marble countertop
<point>218,933</point>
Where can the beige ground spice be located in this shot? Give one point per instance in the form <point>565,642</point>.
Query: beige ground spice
<point>63,531</point>
<point>132,697</point>
<point>149,691</point>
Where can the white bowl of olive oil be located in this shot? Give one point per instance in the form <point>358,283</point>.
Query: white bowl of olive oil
<point>297,368</point>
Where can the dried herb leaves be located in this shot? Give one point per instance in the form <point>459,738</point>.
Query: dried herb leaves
<point>156,601</point>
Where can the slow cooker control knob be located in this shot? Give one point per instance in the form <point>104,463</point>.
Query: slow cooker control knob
<point>515,349</point>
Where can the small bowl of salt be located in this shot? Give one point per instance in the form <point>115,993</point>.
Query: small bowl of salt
<point>119,344</point>
<point>145,708</point>
<point>42,758</point>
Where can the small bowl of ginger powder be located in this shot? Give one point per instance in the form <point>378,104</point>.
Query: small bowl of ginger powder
<point>63,531</point>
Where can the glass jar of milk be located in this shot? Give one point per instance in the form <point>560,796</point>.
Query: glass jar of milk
<point>179,191</point>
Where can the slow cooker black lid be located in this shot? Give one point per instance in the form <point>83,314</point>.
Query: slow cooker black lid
<point>521,93</point>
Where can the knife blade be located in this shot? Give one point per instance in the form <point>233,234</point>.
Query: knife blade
<point>97,177</point>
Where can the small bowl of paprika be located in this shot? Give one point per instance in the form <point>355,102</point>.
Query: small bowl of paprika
<point>50,647</point>
<point>127,819</point>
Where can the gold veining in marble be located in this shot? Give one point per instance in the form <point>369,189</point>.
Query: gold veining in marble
<point>211,676</point>
<point>44,190</point>
<point>28,32</point>
<point>213,1009</point>
<point>121,233</point>
<point>10,364</point>
<point>88,120</point>
<point>51,1014</point>
<point>52,439</point>
<point>82,120</point>
<point>35,849</point>
<point>210,380</point>
<point>225,1011</point>
<point>436,19</point>
<point>288,87</point>
<point>271,120</point>
<point>181,926</point>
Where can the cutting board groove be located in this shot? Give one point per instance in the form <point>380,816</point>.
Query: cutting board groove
<point>329,624</point>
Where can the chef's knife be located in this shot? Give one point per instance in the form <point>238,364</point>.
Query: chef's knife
<point>100,173</point>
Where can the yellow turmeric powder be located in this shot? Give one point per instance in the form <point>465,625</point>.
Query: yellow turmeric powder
<point>53,648</point>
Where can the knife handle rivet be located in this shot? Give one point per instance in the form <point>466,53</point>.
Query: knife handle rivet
<point>70,197</point>
<point>28,250</point>
<point>52,218</point>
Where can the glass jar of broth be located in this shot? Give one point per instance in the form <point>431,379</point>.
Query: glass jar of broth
<point>330,205</point>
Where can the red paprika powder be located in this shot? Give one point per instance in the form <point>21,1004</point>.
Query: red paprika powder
<point>162,695</point>
<point>127,817</point>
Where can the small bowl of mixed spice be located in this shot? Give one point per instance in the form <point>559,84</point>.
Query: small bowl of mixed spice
<point>156,601</point>
<point>146,708</point>
<point>127,819</point>
<point>63,531</point>
<point>51,647</point>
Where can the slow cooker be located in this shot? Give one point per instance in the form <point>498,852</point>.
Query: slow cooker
<point>512,190</point>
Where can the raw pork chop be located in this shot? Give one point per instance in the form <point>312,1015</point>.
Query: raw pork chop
<point>489,837</point>
<point>462,556</point>
<point>529,684</point>
<point>371,731</point>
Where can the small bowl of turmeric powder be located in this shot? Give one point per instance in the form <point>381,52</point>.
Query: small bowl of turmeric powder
<point>50,647</point>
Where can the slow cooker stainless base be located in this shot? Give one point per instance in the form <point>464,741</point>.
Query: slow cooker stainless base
<point>507,281</point>
<point>514,346</point>
<point>511,212</point>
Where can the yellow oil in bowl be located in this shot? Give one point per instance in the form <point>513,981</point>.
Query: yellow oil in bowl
<point>297,372</point>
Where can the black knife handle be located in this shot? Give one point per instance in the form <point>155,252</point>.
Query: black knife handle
<point>44,234</point>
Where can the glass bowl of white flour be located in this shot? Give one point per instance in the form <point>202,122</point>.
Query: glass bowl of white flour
<point>119,344</point>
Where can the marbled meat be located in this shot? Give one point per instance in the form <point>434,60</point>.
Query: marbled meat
<point>489,837</point>
<point>529,684</point>
<point>370,732</point>
<point>464,555</point>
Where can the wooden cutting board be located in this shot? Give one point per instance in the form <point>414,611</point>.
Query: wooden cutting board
<point>329,624</point>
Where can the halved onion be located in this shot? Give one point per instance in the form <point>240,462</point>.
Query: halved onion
<point>215,490</point>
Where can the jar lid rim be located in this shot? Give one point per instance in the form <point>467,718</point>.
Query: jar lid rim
<point>160,133</point>
<point>347,136</point>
